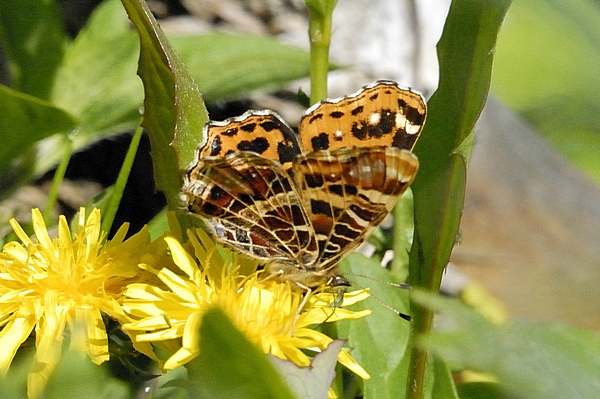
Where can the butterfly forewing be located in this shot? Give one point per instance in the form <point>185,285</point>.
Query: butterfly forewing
<point>381,114</point>
<point>252,206</point>
<point>261,132</point>
<point>347,193</point>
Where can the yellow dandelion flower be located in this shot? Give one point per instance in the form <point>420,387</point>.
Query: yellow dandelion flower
<point>50,284</point>
<point>265,311</point>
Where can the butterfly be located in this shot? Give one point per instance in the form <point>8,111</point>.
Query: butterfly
<point>301,202</point>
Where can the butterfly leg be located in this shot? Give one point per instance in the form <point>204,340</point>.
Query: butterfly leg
<point>308,292</point>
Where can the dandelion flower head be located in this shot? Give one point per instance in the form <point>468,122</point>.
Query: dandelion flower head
<point>50,284</point>
<point>266,311</point>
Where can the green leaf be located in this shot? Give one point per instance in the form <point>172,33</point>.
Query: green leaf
<point>379,341</point>
<point>480,390</point>
<point>96,82</point>
<point>465,53</point>
<point>33,38</point>
<point>167,386</point>
<point>158,225</point>
<point>530,360</point>
<point>227,65</point>
<point>77,377</point>
<point>25,120</point>
<point>443,384</point>
<point>230,367</point>
<point>174,112</point>
<point>14,383</point>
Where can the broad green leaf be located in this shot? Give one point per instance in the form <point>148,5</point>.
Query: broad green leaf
<point>465,54</point>
<point>553,45</point>
<point>25,120</point>
<point>480,390</point>
<point>530,360</point>
<point>14,383</point>
<point>379,341</point>
<point>77,377</point>
<point>230,367</point>
<point>33,38</point>
<point>97,82</point>
<point>546,69</point>
<point>167,386</point>
<point>174,112</point>
<point>227,65</point>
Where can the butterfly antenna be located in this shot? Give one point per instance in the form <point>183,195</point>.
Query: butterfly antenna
<point>397,285</point>
<point>396,311</point>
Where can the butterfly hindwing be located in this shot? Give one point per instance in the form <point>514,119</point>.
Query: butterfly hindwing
<point>347,193</point>
<point>252,205</point>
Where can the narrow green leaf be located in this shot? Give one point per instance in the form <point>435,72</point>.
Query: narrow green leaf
<point>226,65</point>
<point>174,112</point>
<point>465,53</point>
<point>530,360</point>
<point>25,120</point>
<point>230,367</point>
<point>33,38</point>
<point>443,385</point>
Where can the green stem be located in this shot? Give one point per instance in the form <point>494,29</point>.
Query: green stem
<point>119,187</point>
<point>319,32</point>
<point>417,373</point>
<point>58,178</point>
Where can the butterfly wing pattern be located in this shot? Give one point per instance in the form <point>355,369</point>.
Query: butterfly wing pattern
<point>347,192</point>
<point>253,206</point>
<point>300,204</point>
